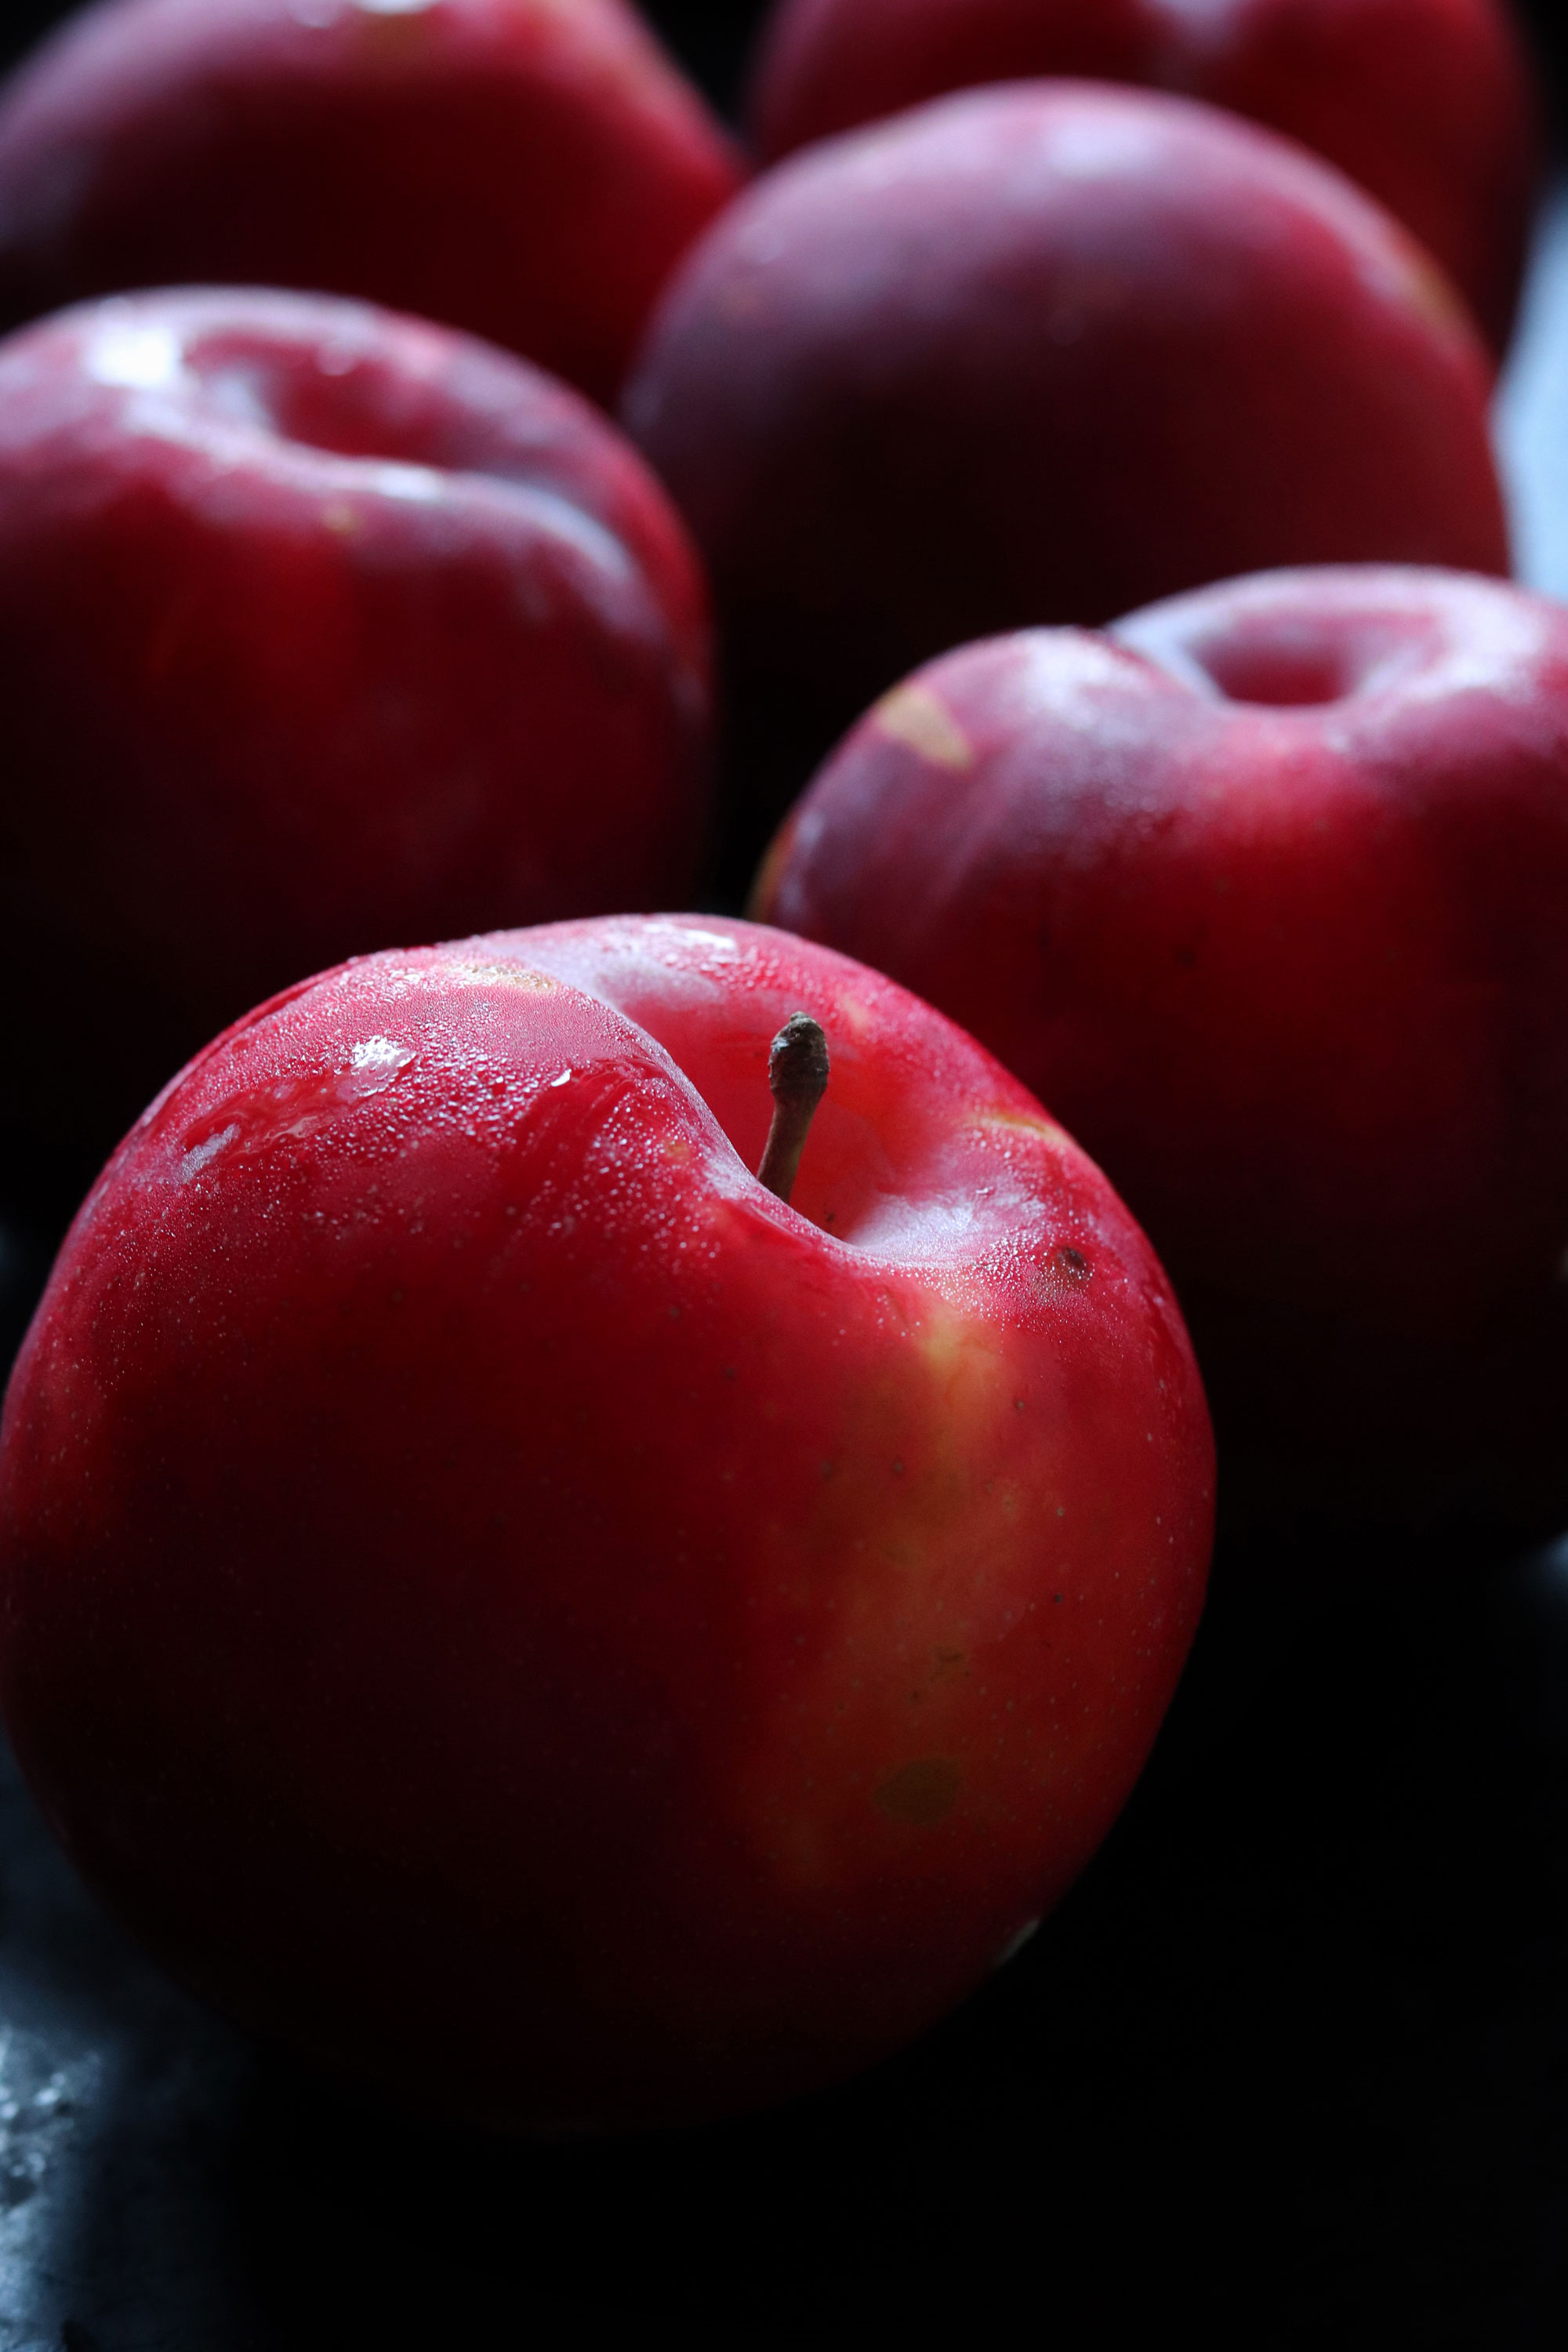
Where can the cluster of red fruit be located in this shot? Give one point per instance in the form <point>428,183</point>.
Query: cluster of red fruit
<point>489,1587</point>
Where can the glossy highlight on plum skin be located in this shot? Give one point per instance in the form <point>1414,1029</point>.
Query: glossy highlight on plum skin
<point>470,1554</point>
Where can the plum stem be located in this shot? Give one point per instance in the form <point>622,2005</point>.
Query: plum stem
<point>797,1079</point>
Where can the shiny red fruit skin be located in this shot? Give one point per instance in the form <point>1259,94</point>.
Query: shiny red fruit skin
<point>319,627</point>
<point>1263,892</point>
<point>524,170</point>
<point>497,1597</point>
<point>1042,353</point>
<point>1427,104</point>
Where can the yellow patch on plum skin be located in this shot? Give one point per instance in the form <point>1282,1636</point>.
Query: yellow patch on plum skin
<point>1012,1122</point>
<point>915,715</point>
<point>475,972</point>
<point>902,1607</point>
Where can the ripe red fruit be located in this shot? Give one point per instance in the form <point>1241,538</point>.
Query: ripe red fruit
<point>1041,353</point>
<point>494,1595</point>
<point>1263,892</point>
<point>524,169</point>
<point>1427,104</point>
<point>319,627</point>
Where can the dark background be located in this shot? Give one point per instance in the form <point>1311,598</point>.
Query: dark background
<point>712,38</point>
<point>1289,2066</point>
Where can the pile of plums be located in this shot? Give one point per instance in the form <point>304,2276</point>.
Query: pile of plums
<point>492,1589</point>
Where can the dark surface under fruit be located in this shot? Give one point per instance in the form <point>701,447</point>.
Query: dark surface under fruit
<point>1293,2057</point>
<point>1291,2063</point>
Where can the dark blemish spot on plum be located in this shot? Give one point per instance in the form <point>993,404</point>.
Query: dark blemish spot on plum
<point>922,1793</point>
<point>1073,1263</point>
<point>1185,957</point>
<point>897,1469</point>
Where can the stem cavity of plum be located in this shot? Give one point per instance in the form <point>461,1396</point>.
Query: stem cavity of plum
<point>797,1079</point>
